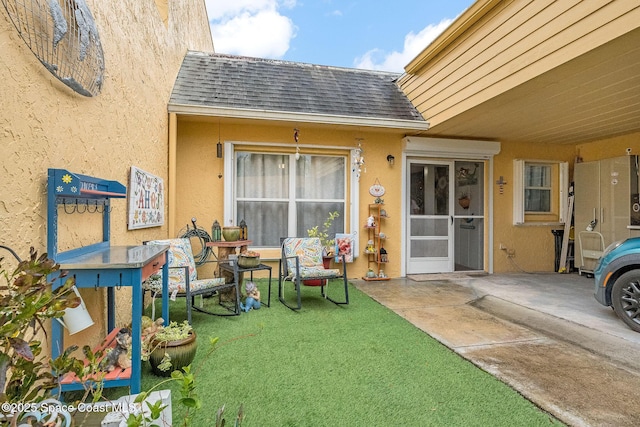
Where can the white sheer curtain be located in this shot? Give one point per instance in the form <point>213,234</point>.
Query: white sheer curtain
<point>279,196</point>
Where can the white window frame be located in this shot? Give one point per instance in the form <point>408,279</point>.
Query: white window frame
<point>519,167</point>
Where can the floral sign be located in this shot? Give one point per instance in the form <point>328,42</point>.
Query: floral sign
<point>344,246</point>
<point>146,200</point>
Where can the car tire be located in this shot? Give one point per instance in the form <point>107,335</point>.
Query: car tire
<point>625,297</point>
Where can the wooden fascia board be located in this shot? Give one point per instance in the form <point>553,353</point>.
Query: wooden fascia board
<point>278,116</point>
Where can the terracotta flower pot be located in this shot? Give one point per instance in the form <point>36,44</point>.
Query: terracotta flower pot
<point>182,353</point>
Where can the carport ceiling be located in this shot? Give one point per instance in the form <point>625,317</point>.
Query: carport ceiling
<point>592,97</point>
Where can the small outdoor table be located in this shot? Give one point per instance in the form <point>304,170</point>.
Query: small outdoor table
<point>236,270</point>
<point>224,250</point>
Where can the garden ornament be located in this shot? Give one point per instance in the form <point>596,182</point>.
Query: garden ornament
<point>253,298</point>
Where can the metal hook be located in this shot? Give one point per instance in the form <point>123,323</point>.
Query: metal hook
<point>86,204</point>
<point>94,210</point>
<point>64,205</point>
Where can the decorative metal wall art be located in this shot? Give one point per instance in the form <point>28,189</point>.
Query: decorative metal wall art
<point>63,35</point>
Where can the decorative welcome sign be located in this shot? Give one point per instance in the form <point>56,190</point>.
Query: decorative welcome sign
<point>146,200</point>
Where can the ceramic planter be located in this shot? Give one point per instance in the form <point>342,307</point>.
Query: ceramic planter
<point>182,353</point>
<point>231,233</point>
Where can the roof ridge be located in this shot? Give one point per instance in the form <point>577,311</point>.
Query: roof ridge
<point>287,62</point>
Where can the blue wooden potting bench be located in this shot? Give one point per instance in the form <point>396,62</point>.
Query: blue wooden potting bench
<point>101,266</point>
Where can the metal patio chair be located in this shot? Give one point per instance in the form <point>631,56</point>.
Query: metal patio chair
<point>184,281</point>
<point>301,262</point>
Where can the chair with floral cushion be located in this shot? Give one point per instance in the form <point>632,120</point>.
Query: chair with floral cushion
<point>301,264</point>
<point>184,281</point>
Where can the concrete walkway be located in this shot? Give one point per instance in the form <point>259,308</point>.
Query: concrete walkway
<point>543,334</point>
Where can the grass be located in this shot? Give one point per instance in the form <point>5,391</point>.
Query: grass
<point>328,365</point>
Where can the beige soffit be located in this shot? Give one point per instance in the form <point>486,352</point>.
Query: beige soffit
<point>469,17</point>
<point>284,116</point>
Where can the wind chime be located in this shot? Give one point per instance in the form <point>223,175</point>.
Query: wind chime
<point>296,137</point>
<point>358,159</point>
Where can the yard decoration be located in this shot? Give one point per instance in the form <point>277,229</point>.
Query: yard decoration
<point>118,356</point>
<point>253,298</point>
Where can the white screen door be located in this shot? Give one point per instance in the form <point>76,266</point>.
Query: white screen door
<point>445,216</point>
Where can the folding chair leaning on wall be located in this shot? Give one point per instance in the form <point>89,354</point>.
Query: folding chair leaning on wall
<point>184,281</point>
<point>301,262</point>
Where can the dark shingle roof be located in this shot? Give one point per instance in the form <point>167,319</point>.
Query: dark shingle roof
<point>234,82</point>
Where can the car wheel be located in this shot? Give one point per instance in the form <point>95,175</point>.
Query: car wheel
<point>625,296</point>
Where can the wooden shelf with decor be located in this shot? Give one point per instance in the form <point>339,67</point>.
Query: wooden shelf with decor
<point>377,255</point>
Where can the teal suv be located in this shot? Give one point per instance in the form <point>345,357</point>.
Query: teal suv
<point>617,277</point>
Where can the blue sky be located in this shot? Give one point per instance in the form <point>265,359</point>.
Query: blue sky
<point>373,34</point>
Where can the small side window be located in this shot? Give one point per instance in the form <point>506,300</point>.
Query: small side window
<point>540,191</point>
<point>537,188</point>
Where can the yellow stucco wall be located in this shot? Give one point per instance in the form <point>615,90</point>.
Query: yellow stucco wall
<point>44,124</point>
<point>608,148</point>
<point>200,190</point>
<point>533,244</point>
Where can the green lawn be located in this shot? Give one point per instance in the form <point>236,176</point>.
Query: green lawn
<point>328,365</point>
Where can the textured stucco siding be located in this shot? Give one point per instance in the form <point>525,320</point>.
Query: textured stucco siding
<point>44,124</point>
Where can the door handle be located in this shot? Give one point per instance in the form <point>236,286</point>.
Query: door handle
<point>451,216</point>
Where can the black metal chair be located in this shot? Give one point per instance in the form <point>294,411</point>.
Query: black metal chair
<point>300,263</point>
<point>184,282</point>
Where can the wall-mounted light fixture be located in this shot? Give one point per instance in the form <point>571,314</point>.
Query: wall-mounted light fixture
<point>391,159</point>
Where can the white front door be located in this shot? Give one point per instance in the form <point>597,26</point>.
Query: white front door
<point>445,216</point>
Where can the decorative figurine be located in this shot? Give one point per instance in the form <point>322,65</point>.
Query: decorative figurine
<point>370,247</point>
<point>383,255</point>
<point>371,221</point>
<point>253,298</point>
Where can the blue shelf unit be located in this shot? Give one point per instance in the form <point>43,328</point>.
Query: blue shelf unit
<point>100,265</point>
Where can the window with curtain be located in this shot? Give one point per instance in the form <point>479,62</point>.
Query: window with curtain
<point>537,188</point>
<point>540,191</point>
<point>279,196</point>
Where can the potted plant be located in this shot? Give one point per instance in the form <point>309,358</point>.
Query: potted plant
<point>168,348</point>
<point>27,301</point>
<point>323,234</point>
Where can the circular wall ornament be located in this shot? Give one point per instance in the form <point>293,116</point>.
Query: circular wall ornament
<point>63,35</point>
<point>376,190</point>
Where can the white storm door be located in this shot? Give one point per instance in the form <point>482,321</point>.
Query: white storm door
<point>429,223</point>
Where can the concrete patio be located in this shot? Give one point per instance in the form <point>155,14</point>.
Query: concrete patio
<point>543,334</point>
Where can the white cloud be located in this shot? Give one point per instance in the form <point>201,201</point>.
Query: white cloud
<point>376,59</point>
<point>250,27</point>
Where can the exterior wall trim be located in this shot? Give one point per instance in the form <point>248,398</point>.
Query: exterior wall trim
<point>450,147</point>
<point>284,116</point>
